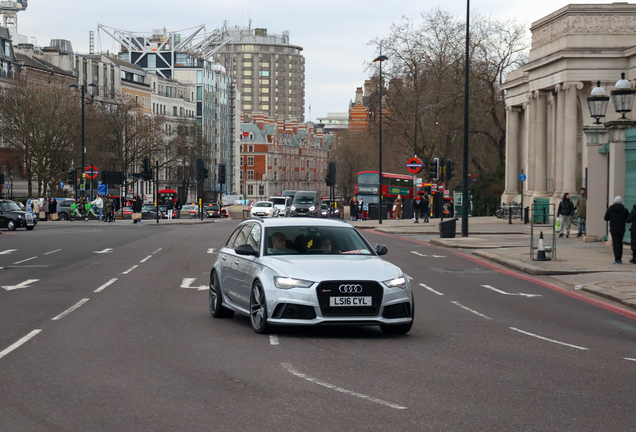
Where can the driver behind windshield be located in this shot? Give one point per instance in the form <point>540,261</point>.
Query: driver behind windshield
<point>279,244</point>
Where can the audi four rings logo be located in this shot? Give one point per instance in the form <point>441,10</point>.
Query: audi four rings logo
<point>350,289</point>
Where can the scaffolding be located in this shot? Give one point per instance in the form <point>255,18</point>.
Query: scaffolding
<point>9,11</point>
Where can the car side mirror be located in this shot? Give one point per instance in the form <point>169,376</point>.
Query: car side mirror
<point>246,249</point>
<point>381,249</point>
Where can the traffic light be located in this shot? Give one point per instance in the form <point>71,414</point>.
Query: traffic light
<point>450,168</point>
<point>434,169</point>
<point>148,175</point>
<point>1,179</point>
<point>222,174</point>
<point>331,174</point>
<point>198,169</point>
<point>70,179</point>
<point>145,167</point>
<point>205,173</point>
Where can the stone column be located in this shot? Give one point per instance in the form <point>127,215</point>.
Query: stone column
<point>617,166</point>
<point>530,116</point>
<point>596,149</point>
<point>512,154</point>
<point>570,126</point>
<point>558,155</point>
<point>540,172</point>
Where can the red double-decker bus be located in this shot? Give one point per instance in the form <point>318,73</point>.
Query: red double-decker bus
<point>392,186</point>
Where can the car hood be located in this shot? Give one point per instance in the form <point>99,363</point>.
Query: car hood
<point>333,267</point>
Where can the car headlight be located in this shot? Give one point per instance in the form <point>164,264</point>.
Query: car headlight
<point>312,208</point>
<point>283,282</point>
<point>19,216</point>
<point>396,283</point>
<point>293,208</point>
<point>266,211</point>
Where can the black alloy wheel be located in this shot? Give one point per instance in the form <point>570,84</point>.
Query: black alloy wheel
<point>400,328</point>
<point>63,216</point>
<point>258,309</point>
<point>217,310</point>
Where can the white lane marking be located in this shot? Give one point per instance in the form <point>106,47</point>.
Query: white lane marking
<point>69,310</point>
<point>130,269</point>
<point>15,345</point>
<point>431,289</point>
<point>156,251</point>
<point>28,259</point>
<point>512,294</point>
<point>7,252</point>
<point>273,339</point>
<point>20,285</point>
<point>430,256</point>
<point>146,259</point>
<point>470,310</point>
<point>56,250</point>
<point>546,339</point>
<point>630,359</point>
<point>211,250</point>
<point>101,288</point>
<point>189,281</point>
<point>108,250</point>
<point>408,277</point>
<point>340,389</point>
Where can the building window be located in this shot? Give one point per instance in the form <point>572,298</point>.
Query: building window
<point>248,48</point>
<point>241,160</point>
<point>250,174</point>
<point>247,106</point>
<point>241,174</point>
<point>261,190</point>
<point>250,148</point>
<point>247,64</point>
<point>264,73</point>
<point>250,161</point>
<point>247,73</point>
<point>247,89</point>
<point>247,81</point>
<point>174,112</point>
<point>250,190</point>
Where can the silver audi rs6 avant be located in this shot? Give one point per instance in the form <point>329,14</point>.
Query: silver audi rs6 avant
<point>308,272</point>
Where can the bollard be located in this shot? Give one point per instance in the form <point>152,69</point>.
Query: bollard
<point>526,215</point>
<point>510,215</point>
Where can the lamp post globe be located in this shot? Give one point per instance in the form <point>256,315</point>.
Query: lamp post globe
<point>623,96</point>
<point>597,103</point>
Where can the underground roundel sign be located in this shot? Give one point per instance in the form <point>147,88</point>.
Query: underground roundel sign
<point>414,165</point>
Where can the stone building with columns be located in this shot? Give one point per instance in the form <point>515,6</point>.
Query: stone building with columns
<point>546,109</point>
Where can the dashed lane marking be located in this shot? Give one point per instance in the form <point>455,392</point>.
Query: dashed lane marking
<point>49,253</point>
<point>549,340</point>
<point>15,345</point>
<point>431,289</point>
<point>470,310</point>
<point>69,310</point>
<point>630,359</point>
<point>130,269</point>
<point>157,251</point>
<point>101,288</point>
<point>8,251</point>
<point>293,371</point>
<point>273,339</point>
<point>211,250</point>
<point>28,259</point>
<point>146,259</point>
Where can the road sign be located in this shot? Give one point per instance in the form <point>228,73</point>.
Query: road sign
<point>434,187</point>
<point>83,186</point>
<point>91,172</point>
<point>102,189</point>
<point>8,186</point>
<point>414,165</point>
<point>522,177</point>
<point>446,193</point>
<point>61,185</point>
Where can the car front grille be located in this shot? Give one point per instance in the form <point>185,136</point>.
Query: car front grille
<point>294,311</point>
<point>400,310</point>
<point>331,289</point>
<point>29,217</point>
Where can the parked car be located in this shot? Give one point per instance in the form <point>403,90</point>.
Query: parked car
<point>306,203</point>
<point>282,203</point>
<point>148,211</point>
<point>264,209</point>
<point>11,217</point>
<point>214,211</point>
<point>308,272</point>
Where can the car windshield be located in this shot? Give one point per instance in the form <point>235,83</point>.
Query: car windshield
<point>309,240</point>
<point>264,204</point>
<point>9,206</point>
<point>213,207</point>
<point>277,201</point>
<point>304,199</point>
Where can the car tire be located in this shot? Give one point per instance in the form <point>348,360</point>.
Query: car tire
<point>30,228</point>
<point>63,216</point>
<point>258,309</point>
<point>11,225</point>
<point>217,310</point>
<point>400,328</point>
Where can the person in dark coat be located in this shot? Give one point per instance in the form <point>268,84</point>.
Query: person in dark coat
<point>617,215</point>
<point>632,219</point>
<point>418,205</point>
<point>353,208</point>
<point>426,208</point>
<point>170,207</point>
<point>565,212</point>
<point>136,207</point>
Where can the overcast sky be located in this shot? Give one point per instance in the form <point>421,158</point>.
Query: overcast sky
<point>334,33</point>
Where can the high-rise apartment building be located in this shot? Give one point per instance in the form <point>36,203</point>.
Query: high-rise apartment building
<point>269,72</point>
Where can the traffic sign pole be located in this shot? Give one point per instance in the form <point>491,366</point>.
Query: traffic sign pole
<point>522,178</point>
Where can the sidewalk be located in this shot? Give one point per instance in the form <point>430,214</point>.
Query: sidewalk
<point>586,266</point>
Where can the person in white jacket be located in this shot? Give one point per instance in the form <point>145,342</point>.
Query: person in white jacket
<point>99,203</point>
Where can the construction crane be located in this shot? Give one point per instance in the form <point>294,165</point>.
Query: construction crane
<point>9,11</point>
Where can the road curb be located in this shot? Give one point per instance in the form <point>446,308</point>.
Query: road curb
<point>528,268</point>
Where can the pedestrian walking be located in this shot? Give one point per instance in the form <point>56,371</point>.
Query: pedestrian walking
<point>353,208</point>
<point>397,208</point>
<point>632,229</point>
<point>99,203</point>
<point>169,207</point>
<point>53,209</point>
<point>361,209</point>
<point>418,205</point>
<point>581,206</point>
<point>35,206</point>
<point>136,208</point>
<point>45,209</point>
<point>426,207</point>
<point>178,208</point>
<point>617,215</point>
<point>109,209</point>
<point>564,213</point>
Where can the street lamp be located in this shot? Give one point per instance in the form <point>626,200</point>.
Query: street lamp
<point>465,164</point>
<point>83,87</point>
<point>380,59</point>
<point>597,103</point>
<point>623,96</point>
